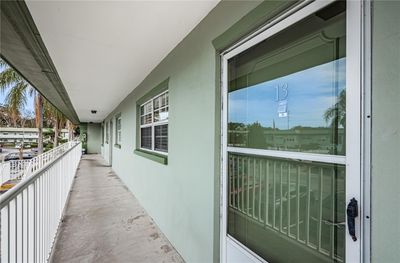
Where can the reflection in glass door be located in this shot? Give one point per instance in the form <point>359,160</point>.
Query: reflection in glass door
<point>286,142</point>
<point>278,205</point>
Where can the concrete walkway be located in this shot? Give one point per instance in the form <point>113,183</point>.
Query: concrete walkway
<point>105,223</point>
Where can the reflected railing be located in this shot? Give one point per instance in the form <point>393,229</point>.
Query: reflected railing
<point>295,199</point>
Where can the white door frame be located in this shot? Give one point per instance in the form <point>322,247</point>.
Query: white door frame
<point>353,159</point>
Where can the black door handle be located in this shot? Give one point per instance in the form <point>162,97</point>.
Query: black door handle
<point>352,213</point>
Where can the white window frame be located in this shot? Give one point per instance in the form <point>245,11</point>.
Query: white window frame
<point>152,124</point>
<point>118,139</point>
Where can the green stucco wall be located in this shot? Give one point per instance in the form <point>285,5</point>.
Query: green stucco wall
<point>91,137</point>
<point>182,196</point>
<point>94,138</point>
<point>385,216</point>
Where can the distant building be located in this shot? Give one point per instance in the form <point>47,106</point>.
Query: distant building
<point>26,135</point>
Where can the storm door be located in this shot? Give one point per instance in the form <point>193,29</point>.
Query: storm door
<point>291,141</point>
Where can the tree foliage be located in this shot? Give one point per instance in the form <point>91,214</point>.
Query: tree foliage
<point>17,91</point>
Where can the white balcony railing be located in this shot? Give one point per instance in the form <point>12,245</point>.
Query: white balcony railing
<point>32,210</point>
<point>18,169</point>
<point>13,170</point>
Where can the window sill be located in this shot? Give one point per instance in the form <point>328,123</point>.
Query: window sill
<point>117,146</point>
<point>163,159</point>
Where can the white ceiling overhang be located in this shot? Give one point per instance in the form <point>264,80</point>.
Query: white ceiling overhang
<point>103,49</point>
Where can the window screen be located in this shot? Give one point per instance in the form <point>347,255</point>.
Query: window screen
<point>161,138</point>
<point>145,138</point>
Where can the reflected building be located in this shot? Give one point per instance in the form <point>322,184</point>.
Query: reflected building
<point>320,140</point>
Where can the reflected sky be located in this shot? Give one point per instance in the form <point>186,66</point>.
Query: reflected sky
<point>309,94</point>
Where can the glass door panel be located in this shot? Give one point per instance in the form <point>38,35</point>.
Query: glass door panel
<point>288,93</point>
<point>278,205</point>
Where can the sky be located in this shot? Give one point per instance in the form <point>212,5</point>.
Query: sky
<point>304,96</point>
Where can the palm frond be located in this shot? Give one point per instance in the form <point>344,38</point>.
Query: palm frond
<point>9,78</point>
<point>336,114</point>
<point>16,100</point>
<point>3,64</point>
<point>32,92</point>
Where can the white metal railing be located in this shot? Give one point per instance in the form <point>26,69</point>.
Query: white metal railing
<point>32,210</point>
<point>18,169</point>
<point>13,170</point>
<point>5,172</point>
<point>295,199</point>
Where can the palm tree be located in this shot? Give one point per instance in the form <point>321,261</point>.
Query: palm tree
<point>18,90</point>
<point>71,127</point>
<point>336,114</point>
<point>39,120</point>
<point>55,118</point>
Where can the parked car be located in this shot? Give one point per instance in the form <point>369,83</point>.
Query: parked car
<point>11,157</point>
<point>28,155</point>
<point>15,156</point>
